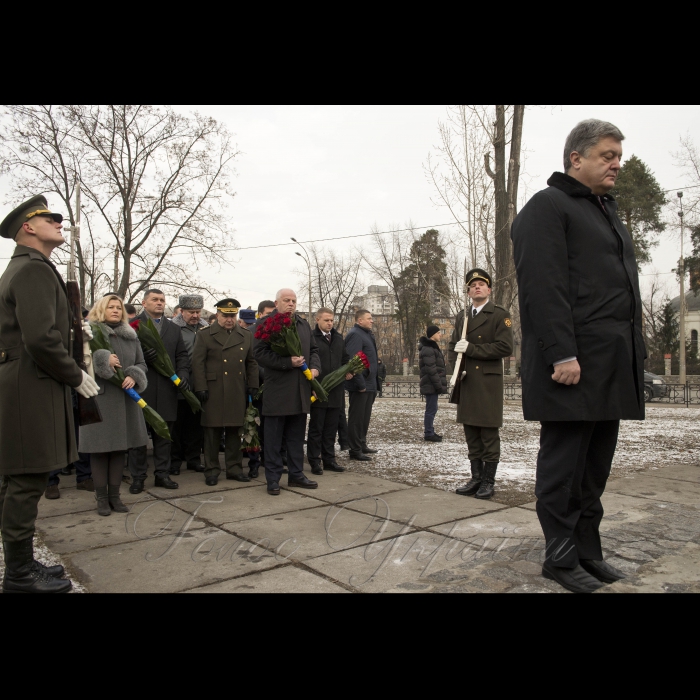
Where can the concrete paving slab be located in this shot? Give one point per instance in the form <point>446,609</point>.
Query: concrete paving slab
<point>494,530</point>
<point>168,564</point>
<point>241,504</point>
<point>301,535</point>
<point>76,532</point>
<point>657,488</point>
<point>422,506</point>
<point>620,508</point>
<point>682,472</point>
<point>284,579</point>
<point>334,487</point>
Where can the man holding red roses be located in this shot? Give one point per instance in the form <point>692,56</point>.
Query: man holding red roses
<point>287,397</point>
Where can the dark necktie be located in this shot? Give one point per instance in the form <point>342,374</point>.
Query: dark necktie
<point>473,313</point>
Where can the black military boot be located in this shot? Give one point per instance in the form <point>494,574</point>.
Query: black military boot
<point>115,502</point>
<point>102,501</point>
<point>489,479</point>
<point>24,575</point>
<point>472,486</point>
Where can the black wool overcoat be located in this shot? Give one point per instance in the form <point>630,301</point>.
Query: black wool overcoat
<point>579,297</point>
<point>431,362</point>
<point>287,391</point>
<point>332,356</point>
<point>161,393</point>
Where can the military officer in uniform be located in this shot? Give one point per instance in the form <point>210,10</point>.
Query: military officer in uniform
<point>224,370</point>
<point>489,339</point>
<point>37,372</point>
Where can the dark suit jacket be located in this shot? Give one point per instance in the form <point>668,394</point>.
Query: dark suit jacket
<point>358,339</point>
<point>287,391</point>
<point>161,393</point>
<point>333,356</point>
<point>579,296</point>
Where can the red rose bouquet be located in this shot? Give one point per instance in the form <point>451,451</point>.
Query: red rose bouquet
<point>358,363</point>
<point>280,331</point>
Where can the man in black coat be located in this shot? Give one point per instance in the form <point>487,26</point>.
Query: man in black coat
<point>161,393</point>
<point>323,425</point>
<point>363,386</point>
<point>287,399</point>
<point>381,376</point>
<point>582,352</point>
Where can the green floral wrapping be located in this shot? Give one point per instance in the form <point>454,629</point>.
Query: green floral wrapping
<point>99,342</point>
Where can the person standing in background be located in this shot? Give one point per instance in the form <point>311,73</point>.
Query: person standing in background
<point>433,379</point>
<point>381,376</point>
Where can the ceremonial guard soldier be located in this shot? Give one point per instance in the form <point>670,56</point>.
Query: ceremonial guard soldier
<point>223,370</point>
<point>480,409</point>
<point>187,432</point>
<point>37,372</point>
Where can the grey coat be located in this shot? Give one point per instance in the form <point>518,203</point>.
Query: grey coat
<point>287,390</point>
<point>431,361</point>
<point>123,425</point>
<point>161,393</point>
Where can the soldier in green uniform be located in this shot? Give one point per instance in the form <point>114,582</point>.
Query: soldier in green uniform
<point>222,367</point>
<point>489,339</point>
<point>37,372</point>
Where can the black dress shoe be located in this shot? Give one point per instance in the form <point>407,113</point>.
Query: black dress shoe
<point>344,447</point>
<point>317,469</point>
<point>576,580</point>
<point>165,482</point>
<point>136,486</point>
<point>333,467</point>
<point>199,469</point>
<point>211,480</point>
<point>237,477</point>
<point>174,472</point>
<point>360,457</point>
<point>285,470</point>
<point>273,488</point>
<point>602,570</point>
<point>369,451</point>
<point>433,438</point>
<point>302,482</point>
<point>253,473</point>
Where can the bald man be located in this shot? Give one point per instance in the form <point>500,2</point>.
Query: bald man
<point>287,399</point>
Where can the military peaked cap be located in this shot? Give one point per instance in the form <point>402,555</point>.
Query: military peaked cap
<point>478,274</point>
<point>228,306</point>
<point>12,223</point>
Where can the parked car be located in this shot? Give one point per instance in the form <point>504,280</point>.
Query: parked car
<point>654,386</point>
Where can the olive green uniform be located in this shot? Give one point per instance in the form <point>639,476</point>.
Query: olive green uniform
<point>480,408</point>
<point>222,364</point>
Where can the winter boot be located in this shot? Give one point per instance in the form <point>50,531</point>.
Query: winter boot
<point>474,483</point>
<point>24,575</point>
<point>486,489</point>
<point>114,500</point>
<point>102,500</point>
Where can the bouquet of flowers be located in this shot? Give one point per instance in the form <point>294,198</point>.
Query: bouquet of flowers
<point>249,430</point>
<point>358,363</point>
<point>151,340</point>
<point>281,332</point>
<point>100,342</point>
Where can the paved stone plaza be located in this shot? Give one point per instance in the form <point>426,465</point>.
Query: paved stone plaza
<point>359,533</point>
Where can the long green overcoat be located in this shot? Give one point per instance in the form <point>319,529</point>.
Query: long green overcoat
<point>490,336</point>
<point>37,370</point>
<point>222,362</point>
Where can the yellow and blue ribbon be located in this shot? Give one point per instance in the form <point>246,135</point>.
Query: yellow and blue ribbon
<point>175,380</point>
<point>136,398</point>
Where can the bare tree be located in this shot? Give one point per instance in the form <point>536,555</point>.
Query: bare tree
<point>156,182</point>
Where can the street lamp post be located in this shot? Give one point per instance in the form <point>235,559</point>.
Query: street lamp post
<point>307,260</point>
<point>681,309</point>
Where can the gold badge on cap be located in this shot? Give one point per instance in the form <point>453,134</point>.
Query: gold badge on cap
<point>508,322</point>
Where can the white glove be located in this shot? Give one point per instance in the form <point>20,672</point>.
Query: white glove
<point>89,387</point>
<point>461,346</point>
<point>87,331</point>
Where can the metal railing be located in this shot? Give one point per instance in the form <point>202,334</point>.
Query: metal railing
<point>678,394</point>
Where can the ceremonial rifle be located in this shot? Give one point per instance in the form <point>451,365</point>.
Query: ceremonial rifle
<point>88,410</point>
<point>458,375</point>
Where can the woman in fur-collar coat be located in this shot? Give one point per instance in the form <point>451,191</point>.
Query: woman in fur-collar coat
<point>123,425</point>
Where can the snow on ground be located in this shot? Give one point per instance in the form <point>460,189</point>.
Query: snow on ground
<point>668,435</point>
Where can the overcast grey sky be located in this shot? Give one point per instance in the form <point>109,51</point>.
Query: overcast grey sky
<point>329,171</point>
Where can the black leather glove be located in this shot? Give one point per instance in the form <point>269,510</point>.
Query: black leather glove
<point>149,354</point>
<point>184,385</point>
<point>203,396</point>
